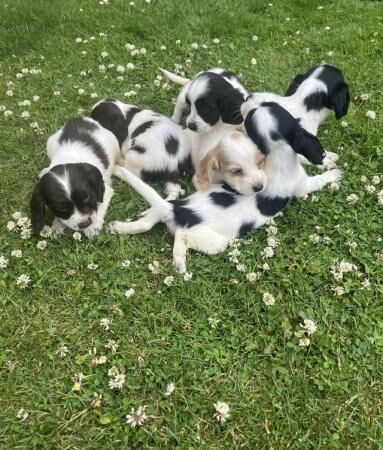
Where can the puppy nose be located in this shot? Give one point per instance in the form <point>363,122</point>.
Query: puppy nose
<point>192,126</point>
<point>258,187</point>
<point>85,223</point>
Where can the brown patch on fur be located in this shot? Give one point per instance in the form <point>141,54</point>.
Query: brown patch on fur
<point>213,159</point>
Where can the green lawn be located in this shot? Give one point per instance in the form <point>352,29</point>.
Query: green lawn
<point>212,336</point>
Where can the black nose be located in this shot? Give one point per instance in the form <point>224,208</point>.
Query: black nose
<point>192,126</point>
<point>258,187</point>
<point>85,223</point>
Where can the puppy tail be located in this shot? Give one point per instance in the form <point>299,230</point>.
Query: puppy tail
<point>150,195</point>
<point>175,78</point>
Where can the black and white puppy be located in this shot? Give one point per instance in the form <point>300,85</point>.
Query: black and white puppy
<point>208,220</point>
<point>311,97</point>
<point>153,146</point>
<point>76,186</point>
<point>213,100</point>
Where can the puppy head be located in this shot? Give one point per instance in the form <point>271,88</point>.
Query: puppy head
<point>72,192</point>
<point>211,98</point>
<point>235,161</point>
<point>323,87</point>
<point>271,123</point>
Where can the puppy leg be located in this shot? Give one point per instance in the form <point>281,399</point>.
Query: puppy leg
<point>142,225</point>
<point>57,228</point>
<point>312,184</point>
<point>179,250</point>
<point>172,190</point>
<point>181,105</point>
<point>95,228</point>
<point>329,161</point>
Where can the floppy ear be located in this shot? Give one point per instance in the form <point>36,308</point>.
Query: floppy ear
<point>96,180</point>
<point>37,205</point>
<point>204,172</point>
<point>231,107</point>
<point>340,99</point>
<point>308,145</point>
<point>293,86</point>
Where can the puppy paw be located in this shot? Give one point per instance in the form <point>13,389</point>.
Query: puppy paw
<point>92,231</point>
<point>333,175</point>
<point>57,229</point>
<point>118,227</point>
<point>329,161</point>
<point>180,265</point>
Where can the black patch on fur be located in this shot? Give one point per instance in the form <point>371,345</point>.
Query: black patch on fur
<point>224,199</point>
<point>221,100</point>
<point>227,187</point>
<point>270,206</point>
<point>160,175</point>
<point>171,144</point>
<point>253,133</point>
<point>142,128</point>
<point>80,130</point>
<point>109,115</point>
<point>245,228</point>
<point>185,217</point>
<point>231,75</point>
<point>181,202</point>
<point>130,114</point>
<point>317,101</point>
<point>187,100</point>
<point>138,148</point>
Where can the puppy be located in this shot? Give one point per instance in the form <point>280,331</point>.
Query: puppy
<point>311,97</point>
<point>207,221</point>
<point>76,186</point>
<point>154,147</point>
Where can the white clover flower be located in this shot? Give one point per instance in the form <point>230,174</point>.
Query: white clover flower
<point>327,28</point>
<point>77,236</point>
<point>3,262</point>
<point>241,267</point>
<point>213,322</point>
<point>81,91</point>
<point>255,38</point>
<point>112,345</point>
<point>9,93</point>
<point>309,326</point>
<point>118,381</point>
<point>99,360</point>
<point>25,103</point>
<point>271,241</point>
<point>84,52</point>
<point>364,97</point>
<point>8,113</point>
<point>370,188</point>
<point>154,267</point>
<point>105,323</point>
<point>272,230</point>
<point>334,186</point>
<point>129,293</point>
<point>26,233</point>
<point>130,66</point>
<point>22,414</point>
<point>137,418</point>
<point>130,46</point>
<point>375,179</point>
<point>25,115</point>
<point>365,285</point>
<point>327,240</point>
<point>23,222</point>
<point>188,276</point>
<point>194,45</point>
<point>170,388</point>
<point>23,281</point>
<point>101,68</point>
<point>380,197</point>
<point>252,277</point>
<point>169,280</point>
<point>314,238</point>
<point>222,411</point>
<point>78,382</point>
<point>346,267</point>
<point>92,266</point>
<point>253,61</point>
<point>143,51</point>
<point>344,124</point>
<point>126,263</point>
<point>265,266</point>
<point>19,76</point>
<point>338,291</point>
<point>371,115</point>
<point>352,199</point>
<point>11,225</point>
<point>267,252</point>
<point>62,351</point>
<point>352,245</point>
<point>41,245</point>
<point>78,40</point>
<point>35,98</point>
<point>215,41</point>
<point>17,253</point>
<point>304,342</point>
<point>56,93</point>
<point>268,299</point>
<point>104,54</point>
<point>120,69</point>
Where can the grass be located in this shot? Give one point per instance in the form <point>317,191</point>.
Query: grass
<point>325,396</point>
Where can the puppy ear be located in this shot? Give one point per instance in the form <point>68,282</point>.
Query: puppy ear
<point>204,171</point>
<point>308,145</point>
<point>293,86</point>
<point>231,107</point>
<point>96,181</point>
<point>37,206</point>
<point>340,99</point>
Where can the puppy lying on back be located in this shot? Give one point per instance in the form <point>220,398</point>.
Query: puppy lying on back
<point>76,186</point>
<point>154,147</point>
<point>207,221</point>
<point>212,101</point>
<point>311,97</point>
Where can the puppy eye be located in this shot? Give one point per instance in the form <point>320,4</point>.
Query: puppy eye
<point>236,172</point>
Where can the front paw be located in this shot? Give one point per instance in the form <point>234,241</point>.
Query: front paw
<point>118,227</point>
<point>334,175</point>
<point>329,161</point>
<point>57,229</point>
<point>92,231</point>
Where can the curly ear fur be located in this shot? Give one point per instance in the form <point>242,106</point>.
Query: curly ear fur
<point>308,145</point>
<point>37,206</point>
<point>204,171</point>
<point>340,99</point>
<point>230,105</point>
<point>96,180</point>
